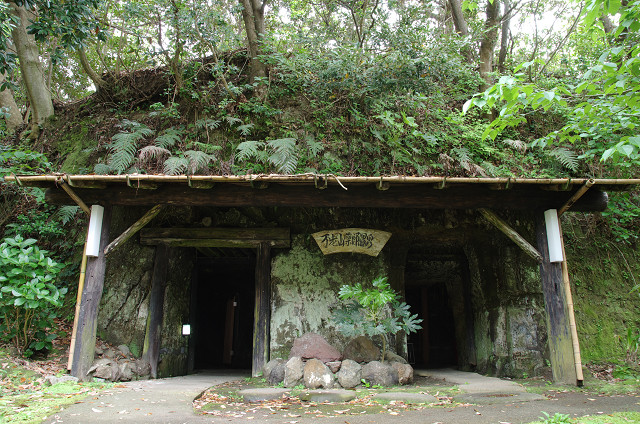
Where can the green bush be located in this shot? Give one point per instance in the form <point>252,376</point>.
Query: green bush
<point>374,312</point>
<point>28,297</point>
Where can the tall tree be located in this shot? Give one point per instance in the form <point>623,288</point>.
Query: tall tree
<point>253,17</point>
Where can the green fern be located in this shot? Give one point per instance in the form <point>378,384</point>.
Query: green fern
<point>232,120</point>
<point>284,156</point>
<point>66,213</point>
<point>176,165</point>
<point>169,138</point>
<point>198,160</point>
<point>124,145</point>
<point>102,169</point>
<point>463,156</point>
<point>314,147</point>
<point>153,152</point>
<point>245,129</point>
<point>251,149</point>
<point>566,157</point>
<point>205,147</point>
<point>205,123</point>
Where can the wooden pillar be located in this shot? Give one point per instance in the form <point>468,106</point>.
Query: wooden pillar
<point>85,341</point>
<point>151,350</point>
<point>262,314</point>
<point>555,302</point>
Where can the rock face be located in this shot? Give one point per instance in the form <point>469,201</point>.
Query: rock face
<point>120,367</point>
<point>376,372</point>
<point>317,375</point>
<point>392,357</point>
<point>312,345</point>
<point>334,366</point>
<point>405,372</point>
<point>350,374</point>
<point>293,372</point>
<point>361,349</point>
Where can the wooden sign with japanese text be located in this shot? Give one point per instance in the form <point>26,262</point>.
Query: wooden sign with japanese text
<point>354,240</point>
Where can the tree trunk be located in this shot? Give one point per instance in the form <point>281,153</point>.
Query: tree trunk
<point>31,69</point>
<point>461,27</point>
<point>14,117</point>
<point>88,69</point>
<point>504,36</point>
<point>253,16</point>
<point>488,42</point>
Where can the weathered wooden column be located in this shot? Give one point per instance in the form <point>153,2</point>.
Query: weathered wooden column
<point>85,341</point>
<point>151,350</point>
<point>262,314</point>
<point>555,302</point>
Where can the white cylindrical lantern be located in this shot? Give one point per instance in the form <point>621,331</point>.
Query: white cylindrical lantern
<point>95,229</point>
<point>554,238</point>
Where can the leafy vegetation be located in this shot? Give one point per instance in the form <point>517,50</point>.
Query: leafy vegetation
<point>375,311</point>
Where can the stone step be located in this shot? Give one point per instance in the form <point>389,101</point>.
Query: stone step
<point>262,395</point>
<point>405,397</point>
<point>332,396</point>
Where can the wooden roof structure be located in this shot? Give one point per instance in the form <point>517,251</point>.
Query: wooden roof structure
<point>325,190</point>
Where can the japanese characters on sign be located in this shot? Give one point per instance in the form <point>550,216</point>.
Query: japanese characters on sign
<point>354,240</point>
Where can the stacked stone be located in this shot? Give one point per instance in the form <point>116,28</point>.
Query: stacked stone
<point>316,364</point>
<point>119,365</point>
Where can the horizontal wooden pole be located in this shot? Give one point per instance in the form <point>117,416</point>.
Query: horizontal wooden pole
<point>217,237</point>
<point>512,234</point>
<point>400,196</point>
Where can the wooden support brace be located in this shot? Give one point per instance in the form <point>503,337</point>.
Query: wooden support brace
<point>512,234</point>
<point>151,349</point>
<point>84,345</point>
<point>137,226</point>
<point>75,197</point>
<point>577,195</point>
<point>262,313</point>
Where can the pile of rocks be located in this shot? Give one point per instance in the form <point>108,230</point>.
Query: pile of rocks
<point>316,364</point>
<point>118,364</point>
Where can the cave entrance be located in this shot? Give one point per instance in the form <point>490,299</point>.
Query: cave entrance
<point>222,309</point>
<point>435,287</point>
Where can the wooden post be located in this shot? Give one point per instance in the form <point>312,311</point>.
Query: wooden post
<point>555,302</point>
<point>85,342</point>
<point>83,271</point>
<point>151,350</point>
<point>262,314</point>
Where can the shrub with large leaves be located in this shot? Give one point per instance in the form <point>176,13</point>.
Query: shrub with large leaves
<point>28,296</point>
<point>375,311</point>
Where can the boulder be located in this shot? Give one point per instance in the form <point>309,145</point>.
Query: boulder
<point>361,349</point>
<point>334,366</point>
<point>293,372</point>
<point>126,370</point>
<point>142,368</point>
<point>312,345</point>
<point>350,374</point>
<point>405,372</point>
<point>51,380</point>
<point>317,375</point>
<point>392,357</point>
<point>277,374</point>
<point>110,354</point>
<point>383,374</point>
<point>124,350</point>
<point>270,366</point>
<point>106,369</point>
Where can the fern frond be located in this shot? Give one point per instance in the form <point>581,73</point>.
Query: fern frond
<point>250,149</point>
<point>205,147</point>
<point>198,160</point>
<point>175,165</point>
<point>66,213</point>
<point>102,169</point>
<point>491,169</point>
<point>245,129</point>
<point>232,120</point>
<point>284,156</point>
<point>518,145</point>
<point>153,152</point>
<point>463,156</point>
<point>567,158</point>
<point>124,145</point>
<point>207,123</point>
<point>314,147</point>
<point>169,138</point>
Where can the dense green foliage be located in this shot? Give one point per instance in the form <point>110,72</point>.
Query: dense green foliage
<point>28,296</point>
<point>373,312</point>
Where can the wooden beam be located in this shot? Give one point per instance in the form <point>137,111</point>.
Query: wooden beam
<point>85,342</point>
<point>577,195</point>
<point>83,271</point>
<point>262,313</point>
<point>558,327</point>
<point>137,226</point>
<point>75,197</point>
<point>151,349</point>
<point>512,234</point>
<point>217,237</point>
<point>421,196</point>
